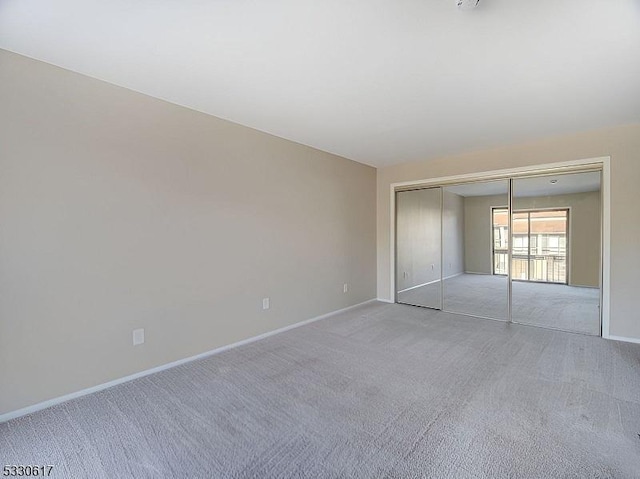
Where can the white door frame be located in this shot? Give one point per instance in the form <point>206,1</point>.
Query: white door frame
<point>603,162</point>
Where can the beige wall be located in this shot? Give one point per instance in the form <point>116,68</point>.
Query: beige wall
<point>453,220</point>
<point>419,221</point>
<point>621,143</point>
<point>477,229</point>
<point>418,234</point>
<point>119,211</point>
<point>584,232</point>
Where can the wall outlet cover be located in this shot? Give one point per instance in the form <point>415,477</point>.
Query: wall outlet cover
<point>138,336</point>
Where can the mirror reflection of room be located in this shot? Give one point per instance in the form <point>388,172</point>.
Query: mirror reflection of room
<point>454,244</point>
<point>556,253</point>
<point>475,259</point>
<point>418,240</point>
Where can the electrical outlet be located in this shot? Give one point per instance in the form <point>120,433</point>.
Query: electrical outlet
<point>265,303</point>
<point>345,288</point>
<point>138,336</point>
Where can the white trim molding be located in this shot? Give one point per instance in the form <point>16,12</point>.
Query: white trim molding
<point>383,300</point>
<point>430,282</point>
<point>67,397</point>
<point>623,339</point>
<point>606,245</point>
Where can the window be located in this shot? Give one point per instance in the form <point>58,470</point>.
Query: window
<point>500,241</point>
<point>539,244</point>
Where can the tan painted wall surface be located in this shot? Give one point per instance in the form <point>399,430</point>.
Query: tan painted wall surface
<point>418,236</point>
<point>584,234</point>
<point>419,224</point>
<point>453,234</point>
<point>477,231</point>
<point>621,143</point>
<point>119,211</point>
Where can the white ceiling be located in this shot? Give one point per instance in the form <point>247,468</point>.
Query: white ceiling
<point>566,184</point>
<point>537,186</point>
<point>484,188</point>
<point>377,81</point>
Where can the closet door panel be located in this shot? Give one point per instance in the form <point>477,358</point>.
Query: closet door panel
<point>418,247</point>
<point>476,241</point>
<point>556,256</point>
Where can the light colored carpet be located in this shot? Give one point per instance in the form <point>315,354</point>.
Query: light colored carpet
<point>428,295</point>
<point>384,390</point>
<point>556,306</point>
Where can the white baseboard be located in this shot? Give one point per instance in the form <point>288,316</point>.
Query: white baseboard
<point>386,301</point>
<point>430,282</point>
<point>418,286</point>
<point>67,397</point>
<point>622,338</point>
<point>454,275</point>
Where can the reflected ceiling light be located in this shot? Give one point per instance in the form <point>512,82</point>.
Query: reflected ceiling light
<point>467,4</point>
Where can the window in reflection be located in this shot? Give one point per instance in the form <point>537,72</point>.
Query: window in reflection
<point>539,244</point>
<point>556,251</point>
<point>500,241</point>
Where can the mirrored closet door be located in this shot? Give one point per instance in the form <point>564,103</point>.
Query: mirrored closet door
<point>525,249</point>
<point>556,253</point>
<point>418,247</point>
<point>475,249</point>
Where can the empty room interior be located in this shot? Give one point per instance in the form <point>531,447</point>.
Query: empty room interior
<point>320,239</point>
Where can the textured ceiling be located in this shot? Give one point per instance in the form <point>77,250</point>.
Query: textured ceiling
<point>380,82</point>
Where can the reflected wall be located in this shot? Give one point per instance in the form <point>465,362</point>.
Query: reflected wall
<point>556,254</point>
<point>418,247</point>
<point>477,240</point>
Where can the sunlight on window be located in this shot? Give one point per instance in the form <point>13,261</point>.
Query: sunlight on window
<point>539,245</point>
